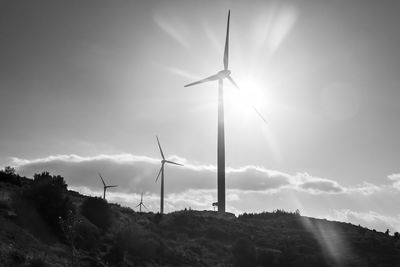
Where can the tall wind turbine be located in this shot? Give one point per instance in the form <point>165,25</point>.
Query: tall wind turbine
<point>105,186</point>
<point>141,204</point>
<point>220,76</point>
<point>163,161</point>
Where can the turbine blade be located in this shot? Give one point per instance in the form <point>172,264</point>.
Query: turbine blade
<point>159,146</point>
<point>111,186</point>
<point>226,52</point>
<point>141,198</point>
<point>102,180</point>
<point>159,174</point>
<point>208,79</point>
<point>255,109</point>
<point>137,205</point>
<point>259,114</point>
<point>233,82</point>
<point>173,163</point>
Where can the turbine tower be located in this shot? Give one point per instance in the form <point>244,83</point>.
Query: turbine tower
<point>141,204</point>
<point>220,76</point>
<point>105,186</point>
<point>163,161</point>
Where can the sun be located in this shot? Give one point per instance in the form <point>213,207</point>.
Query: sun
<point>243,103</point>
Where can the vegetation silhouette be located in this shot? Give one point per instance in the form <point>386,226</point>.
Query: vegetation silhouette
<point>244,253</point>
<point>182,238</point>
<point>97,211</point>
<point>9,175</point>
<point>47,195</point>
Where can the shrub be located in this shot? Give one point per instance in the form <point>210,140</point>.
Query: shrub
<point>87,236</point>
<point>9,175</point>
<point>4,205</point>
<point>217,233</point>
<point>139,244</point>
<point>396,235</point>
<point>244,253</point>
<point>97,211</point>
<point>47,195</point>
<point>17,257</point>
<point>37,262</point>
<point>186,221</point>
<point>269,257</point>
<point>157,218</point>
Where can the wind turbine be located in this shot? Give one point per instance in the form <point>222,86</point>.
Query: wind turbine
<point>220,76</point>
<point>163,161</point>
<point>141,204</point>
<point>105,186</point>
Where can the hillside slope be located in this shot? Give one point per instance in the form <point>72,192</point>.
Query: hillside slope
<point>183,238</point>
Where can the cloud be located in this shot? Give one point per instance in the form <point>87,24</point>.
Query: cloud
<point>395,177</point>
<point>315,185</point>
<point>365,189</point>
<point>249,188</point>
<point>371,219</point>
<point>133,173</point>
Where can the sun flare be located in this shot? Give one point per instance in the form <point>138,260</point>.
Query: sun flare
<point>244,102</point>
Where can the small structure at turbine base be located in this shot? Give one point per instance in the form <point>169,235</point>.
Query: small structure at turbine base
<point>214,204</point>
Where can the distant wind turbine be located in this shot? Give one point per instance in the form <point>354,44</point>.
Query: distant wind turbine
<point>225,73</point>
<point>163,161</point>
<point>141,204</point>
<point>105,186</point>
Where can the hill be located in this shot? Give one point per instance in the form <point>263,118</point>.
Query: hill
<point>44,224</point>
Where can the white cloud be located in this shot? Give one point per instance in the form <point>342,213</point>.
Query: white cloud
<point>315,185</point>
<point>371,219</point>
<point>249,188</point>
<point>395,177</point>
<point>365,189</point>
<point>117,158</point>
<point>137,173</point>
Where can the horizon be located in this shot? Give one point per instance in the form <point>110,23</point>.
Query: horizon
<point>85,89</point>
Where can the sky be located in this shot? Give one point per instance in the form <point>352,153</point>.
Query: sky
<point>85,87</point>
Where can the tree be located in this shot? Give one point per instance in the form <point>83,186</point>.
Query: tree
<point>47,194</point>
<point>9,175</point>
<point>396,235</point>
<point>45,178</point>
<point>10,171</point>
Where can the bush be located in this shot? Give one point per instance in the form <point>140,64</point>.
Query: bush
<point>9,175</point>
<point>17,257</point>
<point>269,257</point>
<point>396,235</point>
<point>97,211</point>
<point>4,205</point>
<point>136,242</point>
<point>217,233</point>
<point>157,218</point>
<point>87,236</point>
<point>37,262</point>
<point>47,195</point>
<point>244,253</point>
